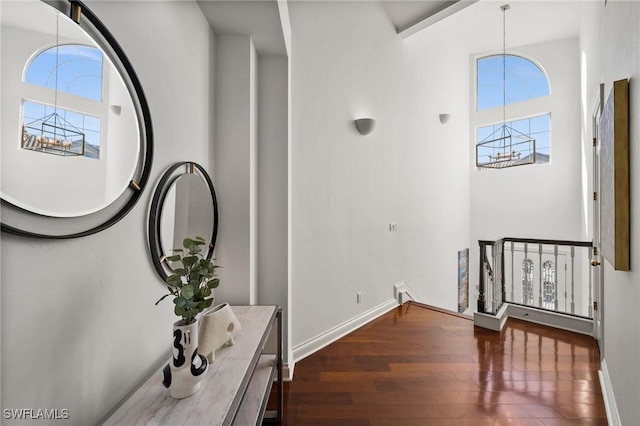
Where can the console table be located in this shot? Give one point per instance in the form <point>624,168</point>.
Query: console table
<point>236,387</point>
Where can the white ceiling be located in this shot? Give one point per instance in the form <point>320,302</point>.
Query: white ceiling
<point>258,18</point>
<point>478,24</point>
<point>404,13</point>
<point>411,16</point>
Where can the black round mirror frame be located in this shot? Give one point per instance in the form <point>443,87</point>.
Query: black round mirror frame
<point>124,204</point>
<point>158,255</point>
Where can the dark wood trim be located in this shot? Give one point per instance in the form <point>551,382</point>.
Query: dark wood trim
<point>538,241</point>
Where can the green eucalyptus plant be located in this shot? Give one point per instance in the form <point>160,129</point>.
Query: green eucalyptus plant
<point>192,284</point>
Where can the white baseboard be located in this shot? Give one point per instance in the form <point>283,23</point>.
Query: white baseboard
<point>492,322</point>
<point>318,342</point>
<point>613,417</point>
<point>551,319</point>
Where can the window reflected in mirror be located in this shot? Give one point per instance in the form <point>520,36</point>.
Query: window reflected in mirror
<point>71,126</point>
<point>66,97</point>
<point>69,68</point>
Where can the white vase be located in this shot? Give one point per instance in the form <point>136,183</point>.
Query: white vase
<point>185,370</point>
<point>218,326</point>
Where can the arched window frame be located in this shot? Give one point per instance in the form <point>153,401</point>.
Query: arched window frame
<point>65,47</point>
<point>530,61</point>
<point>536,107</point>
<point>65,101</point>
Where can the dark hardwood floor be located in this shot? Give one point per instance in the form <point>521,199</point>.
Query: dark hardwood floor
<point>418,366</point>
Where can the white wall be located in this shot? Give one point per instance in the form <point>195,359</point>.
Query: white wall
<point>273,174</point>
<point>347,63</point>
<point>79,325</point>
<point>609,46</point>
<point>120,123</point>
<point>236,166</point>
<point>434,187</point>
<point>538,201</point>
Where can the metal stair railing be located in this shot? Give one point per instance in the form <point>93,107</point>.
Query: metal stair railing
<point>541,273</point>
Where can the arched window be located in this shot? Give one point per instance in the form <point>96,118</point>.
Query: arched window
<point>523,80</point>
<point>72,125</point>
<point>504,140</point>
<point>70,68</point>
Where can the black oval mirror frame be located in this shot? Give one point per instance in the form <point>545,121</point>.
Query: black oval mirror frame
<point>158,254</point>
<point>40,225</point>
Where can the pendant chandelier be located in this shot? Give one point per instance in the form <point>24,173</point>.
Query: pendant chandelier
<point>53,134</point>
<point>506,146</point>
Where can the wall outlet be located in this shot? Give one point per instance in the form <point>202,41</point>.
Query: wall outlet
<point>359,297</point>
<point>393,227</point>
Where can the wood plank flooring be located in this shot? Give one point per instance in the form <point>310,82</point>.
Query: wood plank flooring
<point>418,366</point>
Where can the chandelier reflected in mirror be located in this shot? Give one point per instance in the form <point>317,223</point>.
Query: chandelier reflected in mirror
<point>505,146</point>
<point>53,134</point>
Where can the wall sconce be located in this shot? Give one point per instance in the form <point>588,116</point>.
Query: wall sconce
<point>365,125</point>
<point>444,118</point>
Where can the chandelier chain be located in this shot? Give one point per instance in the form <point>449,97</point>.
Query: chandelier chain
<point>504,64</point>
<point>55,93</point>
<point>505,132</point>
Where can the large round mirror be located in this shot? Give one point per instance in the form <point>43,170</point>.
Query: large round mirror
<point>76,131</point>
<point>184,205</point>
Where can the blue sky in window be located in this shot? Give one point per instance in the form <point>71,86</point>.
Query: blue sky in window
<point>79,70</point>
<point>523,80</point>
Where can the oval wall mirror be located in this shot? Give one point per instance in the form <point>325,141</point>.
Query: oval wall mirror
<point>184,205</point>
<point>76,136</point>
